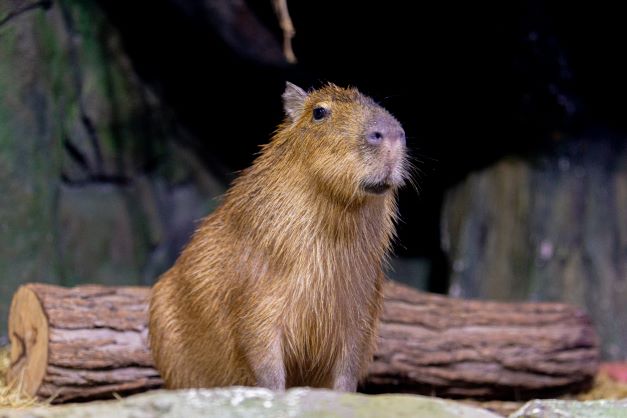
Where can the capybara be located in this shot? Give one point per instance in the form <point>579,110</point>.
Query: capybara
<point>281,285</point>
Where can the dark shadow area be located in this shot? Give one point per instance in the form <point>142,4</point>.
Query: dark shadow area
<point>471,83</point>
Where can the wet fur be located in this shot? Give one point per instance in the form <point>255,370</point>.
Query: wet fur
<point>281,285</point>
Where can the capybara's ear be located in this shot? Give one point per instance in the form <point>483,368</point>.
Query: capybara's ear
<point>293,100</point>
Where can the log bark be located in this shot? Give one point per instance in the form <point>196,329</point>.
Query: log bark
<point>83,343</point>
<point>451,347</point>
<point>91,341</point>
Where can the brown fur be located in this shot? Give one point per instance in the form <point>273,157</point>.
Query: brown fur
<point>281,285</point>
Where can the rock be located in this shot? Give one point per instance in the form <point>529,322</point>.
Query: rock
<point>410,271</point>
<point>101,251</point>
<point>552,408</point>
<point>258,403</point>
<point>98,182</point>
<point>28,156</point>
<point>550,228</point>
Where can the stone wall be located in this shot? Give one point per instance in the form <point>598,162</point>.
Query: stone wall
<point>96,181</point>
<point>549,228</point>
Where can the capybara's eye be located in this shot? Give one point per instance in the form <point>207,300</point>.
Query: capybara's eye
<point>319,113</point>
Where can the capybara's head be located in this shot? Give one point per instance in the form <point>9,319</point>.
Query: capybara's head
<point>349,144</point>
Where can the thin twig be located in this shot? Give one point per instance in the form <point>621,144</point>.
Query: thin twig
<point>285,21</point>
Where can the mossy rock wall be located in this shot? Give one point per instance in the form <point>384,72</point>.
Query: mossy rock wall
<point>97,184</point>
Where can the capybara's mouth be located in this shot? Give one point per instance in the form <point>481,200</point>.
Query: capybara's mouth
<point>376,188</point>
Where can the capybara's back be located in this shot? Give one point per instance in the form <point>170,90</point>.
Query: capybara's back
<point>281,285</point>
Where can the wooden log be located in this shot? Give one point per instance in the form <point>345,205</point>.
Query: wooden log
<point>90,342</point>
<point>492,350</point>
<point>87,342</point>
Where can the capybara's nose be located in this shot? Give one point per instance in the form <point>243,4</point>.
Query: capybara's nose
<point>385,128</point>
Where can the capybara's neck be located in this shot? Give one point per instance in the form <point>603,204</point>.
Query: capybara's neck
<point>281,209</point>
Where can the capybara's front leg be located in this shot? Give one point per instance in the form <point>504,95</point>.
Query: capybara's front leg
<point>347,368</point>
<point>266,362</point>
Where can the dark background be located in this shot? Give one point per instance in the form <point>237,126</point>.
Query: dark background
<point>470,82</point>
